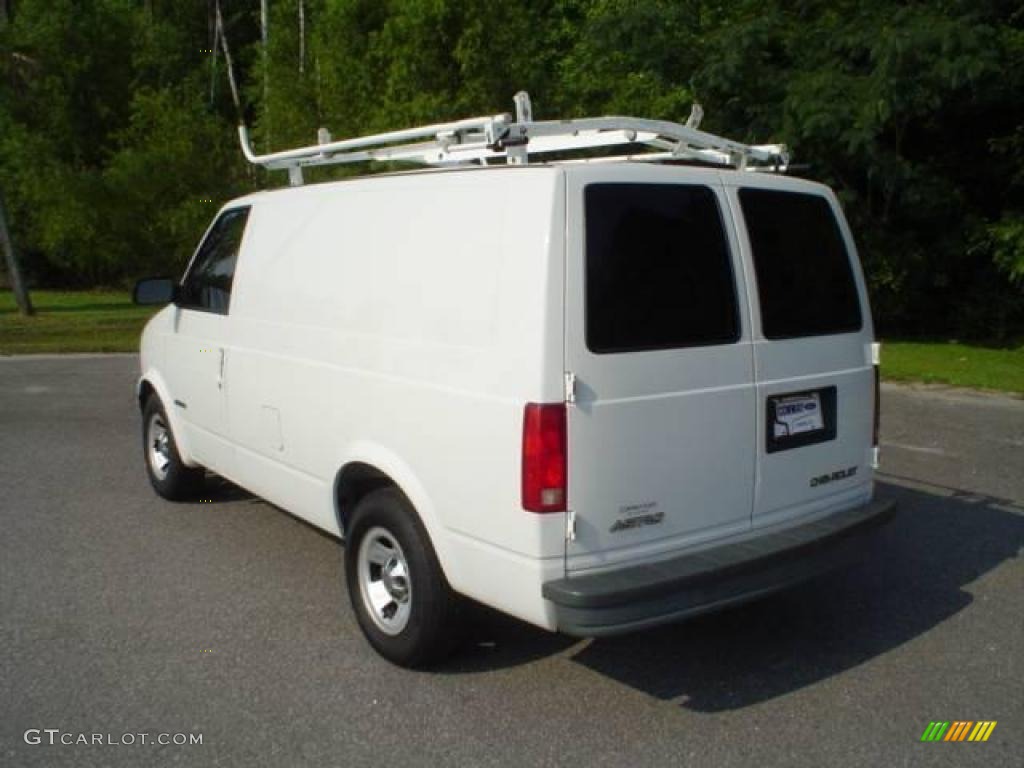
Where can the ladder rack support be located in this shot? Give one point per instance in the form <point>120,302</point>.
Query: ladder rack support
<point>500,137</point>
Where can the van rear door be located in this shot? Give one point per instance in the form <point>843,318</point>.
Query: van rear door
<point>812,350</point>
<point>661,435</point>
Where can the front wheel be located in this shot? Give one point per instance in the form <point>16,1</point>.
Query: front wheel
<point>400,596</point>
<point>168,474</point>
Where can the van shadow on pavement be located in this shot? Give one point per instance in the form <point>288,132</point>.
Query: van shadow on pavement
<point>913,577</point>
<point>217,490</point>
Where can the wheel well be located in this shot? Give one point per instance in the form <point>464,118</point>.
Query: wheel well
<point>144,392</point>
<point>353,482</point>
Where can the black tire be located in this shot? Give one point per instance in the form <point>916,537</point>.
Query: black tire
<point>431,609</point>
<point>172,480</point>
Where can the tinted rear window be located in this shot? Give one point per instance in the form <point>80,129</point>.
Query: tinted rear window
<point>804,279</point>
<point>658,269</point>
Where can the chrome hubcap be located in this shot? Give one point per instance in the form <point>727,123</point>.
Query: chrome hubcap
<point>384,580</point>
<point>158,446</point>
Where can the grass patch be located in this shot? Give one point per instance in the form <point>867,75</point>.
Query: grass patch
<point>72,321</point>
<point>950,362</point>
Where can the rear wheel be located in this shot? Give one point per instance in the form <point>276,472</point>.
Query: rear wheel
<point>168,475</point>
<point>400,596</point>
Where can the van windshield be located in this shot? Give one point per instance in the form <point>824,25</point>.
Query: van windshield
<point>659,274</point>
<point>804,279</point>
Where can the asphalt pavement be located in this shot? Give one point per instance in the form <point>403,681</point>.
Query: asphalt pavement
<point>122,614</point>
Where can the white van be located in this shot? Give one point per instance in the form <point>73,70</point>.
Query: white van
<point>597,396</point>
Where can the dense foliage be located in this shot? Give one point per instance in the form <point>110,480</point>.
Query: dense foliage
<point>117,137</point>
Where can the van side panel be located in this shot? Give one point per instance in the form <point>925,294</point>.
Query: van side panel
<point>404,321</point>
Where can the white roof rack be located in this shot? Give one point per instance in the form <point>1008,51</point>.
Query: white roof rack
<point>500,137</point>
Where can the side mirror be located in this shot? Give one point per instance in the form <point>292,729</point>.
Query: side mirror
<point>154,291</point>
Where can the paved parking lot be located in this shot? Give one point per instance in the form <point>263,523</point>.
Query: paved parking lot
<point>124,614</point>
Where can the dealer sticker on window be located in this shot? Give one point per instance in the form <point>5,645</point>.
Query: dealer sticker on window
<point>798,414</point>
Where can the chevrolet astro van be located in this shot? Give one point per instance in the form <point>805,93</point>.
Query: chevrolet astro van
<point>597,396</point>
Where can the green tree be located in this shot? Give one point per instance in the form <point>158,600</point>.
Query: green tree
<point>117,122</point>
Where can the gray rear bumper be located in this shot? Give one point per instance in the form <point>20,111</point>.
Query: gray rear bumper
<point>646,595</point>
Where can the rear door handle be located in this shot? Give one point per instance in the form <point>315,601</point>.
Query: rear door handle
<point>220,370</point>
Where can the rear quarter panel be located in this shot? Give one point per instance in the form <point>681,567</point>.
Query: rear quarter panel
<point>404,322</point>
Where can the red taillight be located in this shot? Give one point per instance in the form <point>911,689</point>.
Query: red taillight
<point>545,459</point>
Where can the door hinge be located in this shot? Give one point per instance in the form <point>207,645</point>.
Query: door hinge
<point>570,387</point>
<point>570,526</point>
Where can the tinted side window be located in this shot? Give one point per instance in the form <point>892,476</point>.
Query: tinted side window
<point>207,285</point>
<point>804,278</point>
<point>659,274</point>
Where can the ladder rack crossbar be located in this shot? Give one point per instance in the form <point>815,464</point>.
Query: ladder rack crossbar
<point>290,156</point>
<point>499,137</point>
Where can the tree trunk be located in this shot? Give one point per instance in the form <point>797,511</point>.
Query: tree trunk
<point>264,22</point>
<point>215,37</point>
<point>13,270</point>
<point>302,37</point>
<point>319,89</point>
<point>228,63</point>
